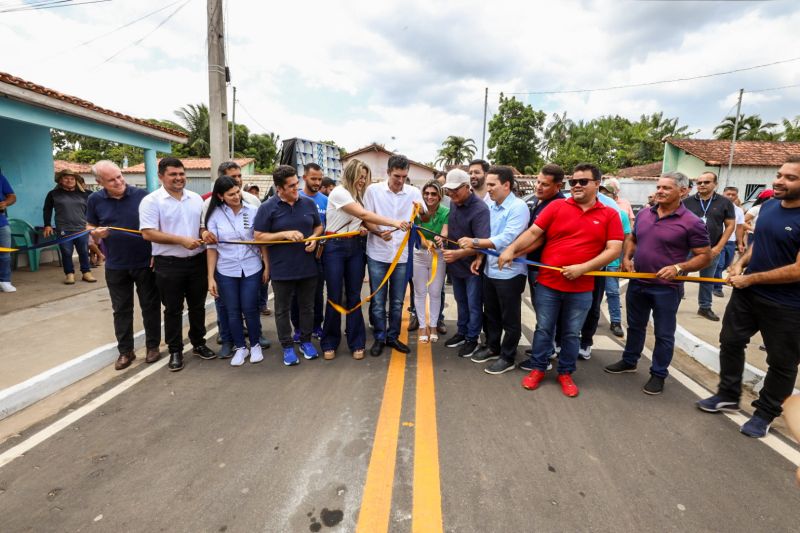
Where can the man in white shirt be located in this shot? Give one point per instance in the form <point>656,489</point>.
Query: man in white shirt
<point>169,217</point>
<point>393,199</point>
<point>735,241</point>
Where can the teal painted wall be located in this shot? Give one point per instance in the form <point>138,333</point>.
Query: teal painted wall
<point>676,159</point>
<point>26,159</point>
<point>53,119</point>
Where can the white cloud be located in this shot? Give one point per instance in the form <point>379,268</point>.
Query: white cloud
<point>358,71</point>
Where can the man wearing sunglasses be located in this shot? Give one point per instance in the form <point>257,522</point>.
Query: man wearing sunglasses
<point>580,234</point>
<point>718,215</point>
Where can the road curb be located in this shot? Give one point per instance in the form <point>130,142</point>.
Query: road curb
<point>41,386</point>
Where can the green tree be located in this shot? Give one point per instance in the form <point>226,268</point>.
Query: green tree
<point>456,150</point>
<point>751,128</point>
<point>791,129</point>
<point>263,147</point>
<point>195,122</point>
<point>82,149</point>
<point>515,134</point>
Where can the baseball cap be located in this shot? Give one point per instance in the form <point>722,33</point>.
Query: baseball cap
<point>455,179</point>
<point>767,193</point>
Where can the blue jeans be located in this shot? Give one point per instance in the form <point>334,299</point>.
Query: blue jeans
<point>468,293</point>
<point>344,273</point>
<point>612,297</point>
<point>82,245</point>
<point>704,291</point>
<point>725,260</point>
<point>263,296</point>
<point>5,258</point>
<point>396,289</point>
<point>240,297</point>
<point>571,309</point>
<point>663,301</point>
<point>222,320</point>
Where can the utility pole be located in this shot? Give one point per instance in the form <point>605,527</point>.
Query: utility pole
<point>733,138</point>
<point>485,106</point>
<point>217,94</point>
<point>233,122</point>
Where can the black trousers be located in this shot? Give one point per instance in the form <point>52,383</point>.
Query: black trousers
<point>121,285</point>
<point>284,292</point>
<point>747,313</point>
<point>182,279</point>
<point>502,314</point>
<point>592,317</point>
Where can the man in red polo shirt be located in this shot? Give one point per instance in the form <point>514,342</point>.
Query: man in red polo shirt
<point>579,234</point>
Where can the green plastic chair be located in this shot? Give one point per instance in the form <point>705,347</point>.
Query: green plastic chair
<point>23,234</point>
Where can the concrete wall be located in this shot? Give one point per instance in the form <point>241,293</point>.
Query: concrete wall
<point>26,159</point>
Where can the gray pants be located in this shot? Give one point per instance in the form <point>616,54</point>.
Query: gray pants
<point>283,292</point>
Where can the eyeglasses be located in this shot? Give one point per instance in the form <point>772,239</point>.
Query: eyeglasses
<point>583,182</point>
<point>704,182</point>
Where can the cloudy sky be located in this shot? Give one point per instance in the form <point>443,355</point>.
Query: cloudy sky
<point>410,73</point>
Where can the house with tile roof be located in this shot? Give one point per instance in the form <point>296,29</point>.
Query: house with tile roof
<point>754,162</point>
<point>377,158</point>
<point>29,111</point>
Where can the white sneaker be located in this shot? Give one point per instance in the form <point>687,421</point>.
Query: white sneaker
<point>585,353</point>
<point>239,357</point>
<point>255,354</point>
<point>6,286</point>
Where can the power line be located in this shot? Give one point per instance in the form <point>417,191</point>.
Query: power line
<point>661,82</point>
<point>774,88</point>
<point>127,24</point>
<point>52,5</point>
<point>145,36</point>
<point>251,116</point>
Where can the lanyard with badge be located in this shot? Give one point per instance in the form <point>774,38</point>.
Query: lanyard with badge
<point>705,208</point>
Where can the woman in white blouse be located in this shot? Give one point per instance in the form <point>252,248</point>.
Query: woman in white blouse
<point>344,259</point>
<point>236,271</point>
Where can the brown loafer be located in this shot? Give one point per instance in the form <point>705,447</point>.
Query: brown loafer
<point>124,360</point>
<point>153,355</point>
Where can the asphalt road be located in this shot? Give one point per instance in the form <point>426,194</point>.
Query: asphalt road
<point>424,443</point>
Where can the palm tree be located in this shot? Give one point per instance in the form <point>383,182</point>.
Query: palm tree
<point>194,119</point>
<point>751,128</point>
<point>456,150</point>
<point>791,129</point>
<point>556,134</point>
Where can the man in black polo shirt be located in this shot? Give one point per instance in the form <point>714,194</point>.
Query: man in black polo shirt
<point>127,261</point>
<point>293,267</point>
<point>719,216</point>
<point>766,298</point>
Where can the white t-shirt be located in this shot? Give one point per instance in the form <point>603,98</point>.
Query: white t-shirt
<point>160,211</point>
<point>337,219</point>
<point>398,206</point>
<point>739,221</point>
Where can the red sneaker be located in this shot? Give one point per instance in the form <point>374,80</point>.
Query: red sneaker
<point>532,380</point>
<point>568,386</point>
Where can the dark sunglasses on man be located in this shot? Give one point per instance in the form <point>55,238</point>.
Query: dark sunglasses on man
<point>583,182</point>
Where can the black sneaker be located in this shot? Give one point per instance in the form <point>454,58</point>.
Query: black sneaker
<point>467,349</point>
<point>706,312</point>
<point>655,385</point>
<point>204,352</point>
<point>718,293</point>
<point>616,329</point>
<point>413,323</point>
<point>455,341</point>
<point>483,354</point>
<point>501,366</point>
<point>527,365</point>
<point>620,367</point>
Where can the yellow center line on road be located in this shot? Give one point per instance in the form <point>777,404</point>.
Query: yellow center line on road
<point>376,503</point>
<point>426,516</point>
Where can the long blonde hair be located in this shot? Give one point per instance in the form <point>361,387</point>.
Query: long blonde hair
<point>425,217</point>
<point>351,174</point>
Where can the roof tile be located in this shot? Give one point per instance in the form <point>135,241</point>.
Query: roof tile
<point>746,153</point>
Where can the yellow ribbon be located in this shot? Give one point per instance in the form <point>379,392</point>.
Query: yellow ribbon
<point>389,272</point>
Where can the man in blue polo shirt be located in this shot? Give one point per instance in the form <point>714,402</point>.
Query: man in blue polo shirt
<point>766,298</point>
<point>287,216</point>
<point>128,261</point>
<point>312,181</point>
<point>7,198</point>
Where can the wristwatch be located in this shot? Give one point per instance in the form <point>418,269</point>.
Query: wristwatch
<point>475,242</point>
<point>680,271</point>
